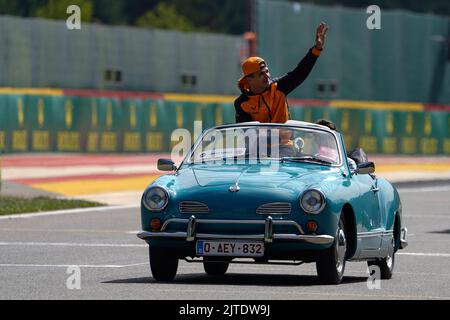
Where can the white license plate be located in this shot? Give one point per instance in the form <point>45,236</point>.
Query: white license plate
<point>230,248</point>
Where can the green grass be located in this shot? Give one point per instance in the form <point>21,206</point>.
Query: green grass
<point>14,205</point>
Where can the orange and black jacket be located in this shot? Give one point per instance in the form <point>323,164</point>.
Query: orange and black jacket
<point>271,105</point>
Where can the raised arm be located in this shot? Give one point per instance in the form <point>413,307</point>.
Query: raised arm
<point>293,79</point>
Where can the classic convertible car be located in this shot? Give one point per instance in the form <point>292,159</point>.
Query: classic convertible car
<point>271,194</point>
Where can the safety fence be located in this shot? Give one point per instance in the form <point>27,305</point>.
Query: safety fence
<point>408,59</point>
<point>42,53</point>
<point>113,122</point>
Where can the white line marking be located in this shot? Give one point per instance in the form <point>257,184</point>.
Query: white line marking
<point>132,245</point>
<point>137,264</point>
<point>426,216</point>
<point>69,230</point>
<point>36,172</point>
<point>423,189</point>
<point>420,254</point>
<point>425,274</point>
<point>6,265</point>
<point>236,268</point>
<point>63,212</point>
<point>68,244</point>
<point>400,272</point>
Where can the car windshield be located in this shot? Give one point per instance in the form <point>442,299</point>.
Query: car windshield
<point>290,144</point>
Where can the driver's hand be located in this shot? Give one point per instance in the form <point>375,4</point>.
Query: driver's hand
<point>321,35</point>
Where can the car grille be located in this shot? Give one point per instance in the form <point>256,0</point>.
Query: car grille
<point>274,208</point>
<point>193,207</point>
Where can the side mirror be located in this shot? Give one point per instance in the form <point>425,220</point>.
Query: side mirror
<point>166,165</point>
<point>366,168</point>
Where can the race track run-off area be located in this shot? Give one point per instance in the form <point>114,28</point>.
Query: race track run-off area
<point>39,253</point>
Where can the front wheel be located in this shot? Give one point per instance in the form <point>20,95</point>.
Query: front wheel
<point>163,264</point>
<point>386,265</point>
<point>330,267</point>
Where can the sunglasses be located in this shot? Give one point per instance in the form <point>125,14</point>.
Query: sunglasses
<point>258,74</point>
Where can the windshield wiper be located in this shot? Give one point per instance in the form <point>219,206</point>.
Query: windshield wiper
<point>305,158</point>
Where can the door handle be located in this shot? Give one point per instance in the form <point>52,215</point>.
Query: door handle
<point>375,190</point>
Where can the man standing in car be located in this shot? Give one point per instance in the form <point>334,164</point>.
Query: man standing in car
<point>264,99</point>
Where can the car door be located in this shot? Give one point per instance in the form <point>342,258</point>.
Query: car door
<point>370,230</point>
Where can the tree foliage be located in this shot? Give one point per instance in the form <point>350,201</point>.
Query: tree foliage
<point>165,16</point>
<point>57,9</point>
<point>441,7</point>
<point>23,8</point>
<point>224,16</point>
<point>110,12</point>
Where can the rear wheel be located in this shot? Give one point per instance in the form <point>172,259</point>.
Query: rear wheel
<point>386,265</point>
<point>215,268</point>
<point>331,265</point>
<point>163,264</point>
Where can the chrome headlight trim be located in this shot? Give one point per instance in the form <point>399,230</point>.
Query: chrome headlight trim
<point>322,198</point>
<point>166,199</point>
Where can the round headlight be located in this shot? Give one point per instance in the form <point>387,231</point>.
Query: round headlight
<point>156,199</point>
<point>312,201</point>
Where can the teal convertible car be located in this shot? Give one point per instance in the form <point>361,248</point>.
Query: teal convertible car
<point>271,194</point>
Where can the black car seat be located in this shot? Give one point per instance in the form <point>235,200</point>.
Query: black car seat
<point>358,155</point>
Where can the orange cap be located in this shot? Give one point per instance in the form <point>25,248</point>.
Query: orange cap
<point>250,66</point>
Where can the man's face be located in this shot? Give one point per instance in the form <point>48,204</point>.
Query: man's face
<point>285,134</point>
<point>259,81</point>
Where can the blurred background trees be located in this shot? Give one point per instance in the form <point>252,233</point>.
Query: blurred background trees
<point>57,9</point>
<point>165,16</point>
<point>220,16</point>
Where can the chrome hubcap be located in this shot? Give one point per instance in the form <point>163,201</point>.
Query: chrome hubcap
<point>341,247</point>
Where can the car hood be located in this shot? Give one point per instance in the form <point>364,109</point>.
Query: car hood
<point>270,176</point>
<point>292,177</point>
<point>258,184</point>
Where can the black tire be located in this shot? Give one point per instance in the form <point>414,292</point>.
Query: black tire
<point>215,269</point>
<point>331,265</point>
<point>386,265</point>
<point>163,264</point>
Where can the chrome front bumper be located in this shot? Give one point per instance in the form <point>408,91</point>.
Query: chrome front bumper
<point>190,235</point>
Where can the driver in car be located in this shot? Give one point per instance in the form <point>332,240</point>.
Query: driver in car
<point>264,99</point>
<point>287,146</point>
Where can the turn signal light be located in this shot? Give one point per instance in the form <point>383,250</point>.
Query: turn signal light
<point>311,226</point>
<point>155,224</point>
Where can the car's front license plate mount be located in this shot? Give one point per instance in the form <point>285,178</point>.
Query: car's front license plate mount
<point>230,248</point>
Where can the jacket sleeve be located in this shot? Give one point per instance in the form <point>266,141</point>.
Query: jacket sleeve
<point>241,115</point>
<point>293,79</point>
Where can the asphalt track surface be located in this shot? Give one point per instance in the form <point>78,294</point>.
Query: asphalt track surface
<point>36,251</point>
